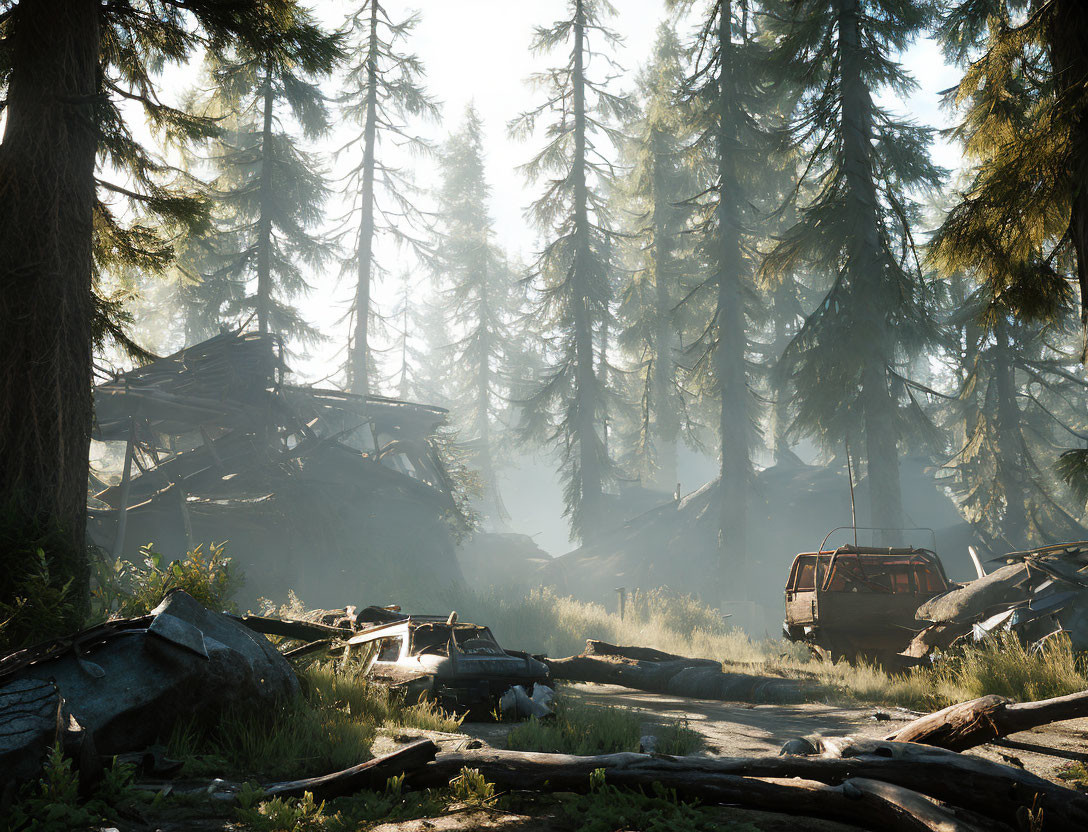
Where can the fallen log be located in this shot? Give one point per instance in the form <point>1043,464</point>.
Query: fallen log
<point>915,787</point>
<point>371,775</point>
<point>979,721</point>
<point>694,678</point>
<point>596,647</point>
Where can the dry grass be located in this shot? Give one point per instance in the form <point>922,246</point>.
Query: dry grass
<point>544,622</point>
<point>584,729</point>
<point>330,727</point>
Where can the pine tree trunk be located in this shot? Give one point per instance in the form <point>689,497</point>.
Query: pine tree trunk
<point>1068,35</point>
<point>47,196</point>
<point>359,358</point>
<point>666,423</point>
<point>1011,470</point>
<point>729,366</point>
<point>264,222</point>
<point>586,382</point>
<point>780,418</point>
<point>868,266</point>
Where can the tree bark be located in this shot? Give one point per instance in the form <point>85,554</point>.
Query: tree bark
<point>978,721</point>
<point>1068,33</point>
<point>976,793</point>
<point>1011,470</point>
<point>867,275</point>
<point>587,403</point>
<point>264,221</point>
<point>729,362</point>
<point>359,358</point>
<point>47,198</point>
<point>666,426</point>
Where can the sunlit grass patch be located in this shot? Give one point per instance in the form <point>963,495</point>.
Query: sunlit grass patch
<point>584,730</point>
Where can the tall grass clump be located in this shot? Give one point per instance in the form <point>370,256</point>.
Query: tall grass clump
<point>331,726</point>
<point>542,621</point>
<point>1005,666</point>
<point>584,730</point>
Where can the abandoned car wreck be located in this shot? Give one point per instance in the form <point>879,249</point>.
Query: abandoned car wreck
<point>213,444</point>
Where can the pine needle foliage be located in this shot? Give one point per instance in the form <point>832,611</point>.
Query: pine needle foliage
<point>569,405</point>
<point>725,92</point>
<point>383,92</point>
<point>81,195</point>
<point>1021,224</point>
<point>1020,400</point>
<point>268,192</point>
<point>659,176</point>
<point>862,165</point>
<point>478,286</point>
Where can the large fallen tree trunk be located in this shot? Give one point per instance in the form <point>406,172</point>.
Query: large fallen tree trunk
<point>979,721</point>
<point>373,774</point>
<point>917,787</point>
<point>652,670</point>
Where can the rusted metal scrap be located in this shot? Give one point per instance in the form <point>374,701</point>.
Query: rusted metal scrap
<point>127,682</point>
<point>1037,594</point>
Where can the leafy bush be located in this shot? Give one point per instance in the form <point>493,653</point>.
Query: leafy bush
<point>54,804</point>
<point>39,608</point>
<point>130,589</point>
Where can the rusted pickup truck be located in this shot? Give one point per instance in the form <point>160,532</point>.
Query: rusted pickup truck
<point>858,602</point>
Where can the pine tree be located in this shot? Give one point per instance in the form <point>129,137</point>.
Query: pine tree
<point>568,407</point>
<point>1019,401</point>
<point>660,178</point>
<point>383,93</point>
<point>722,88</point>
<point>862,164</point>
<point>65,68</point>
<point>478,287</point>
<point>1022,222</point>
<point>1021,225</point>
<point>268,192</point>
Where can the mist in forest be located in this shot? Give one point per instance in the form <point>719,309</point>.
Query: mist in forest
<point>688,291</point>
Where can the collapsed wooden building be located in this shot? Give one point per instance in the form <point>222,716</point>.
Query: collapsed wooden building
<point>324,491</point>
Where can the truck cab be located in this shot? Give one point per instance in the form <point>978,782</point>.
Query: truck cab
<point>859,602</point>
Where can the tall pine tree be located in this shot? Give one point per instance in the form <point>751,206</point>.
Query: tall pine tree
<point>65,68</point>
<point>478,287</point>
<point>660,178</point>
<point>269,193</point>
<point>568,407</point>
<point>862,164</point>
<point>383,92</point>
<point>723,90</point>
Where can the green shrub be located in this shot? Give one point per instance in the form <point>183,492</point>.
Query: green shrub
<point>53,803</point>
<point>130,589</point>
<point>39,608</point>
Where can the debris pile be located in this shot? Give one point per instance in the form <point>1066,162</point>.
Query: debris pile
<point>458,665</point>
<point>217,446</point>
<point>1037,594</point>
<point>120,686</point>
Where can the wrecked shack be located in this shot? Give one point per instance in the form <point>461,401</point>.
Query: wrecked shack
<point>314,489</point>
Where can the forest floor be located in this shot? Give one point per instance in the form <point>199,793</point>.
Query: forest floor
<point>725,729</point>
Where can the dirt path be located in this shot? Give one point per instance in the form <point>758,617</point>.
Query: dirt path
<point>741,730</point>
